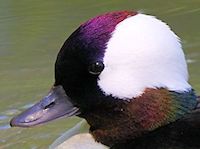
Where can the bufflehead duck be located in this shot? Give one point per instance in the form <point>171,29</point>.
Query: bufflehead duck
<point>126,74</point>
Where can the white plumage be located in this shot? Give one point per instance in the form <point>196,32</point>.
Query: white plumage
<point>142,53</point>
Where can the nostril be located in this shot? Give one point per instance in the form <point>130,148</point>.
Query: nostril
<point>50,105</point>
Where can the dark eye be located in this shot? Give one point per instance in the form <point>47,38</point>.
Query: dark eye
<point>96,68</point>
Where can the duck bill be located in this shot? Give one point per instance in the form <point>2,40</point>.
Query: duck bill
<point>55,105</point>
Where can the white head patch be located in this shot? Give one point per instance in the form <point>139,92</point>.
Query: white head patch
<point>143,53</point>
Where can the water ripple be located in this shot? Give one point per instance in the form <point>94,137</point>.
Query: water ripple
<point>189,61</point>
<point>3,117</point>
<point>4,127</point>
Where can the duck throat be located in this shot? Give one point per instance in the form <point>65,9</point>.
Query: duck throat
<point>117,121</point>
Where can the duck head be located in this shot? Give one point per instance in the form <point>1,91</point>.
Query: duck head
<point>124,72</point>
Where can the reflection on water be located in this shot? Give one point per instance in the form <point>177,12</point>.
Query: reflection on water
<point>31,33</point>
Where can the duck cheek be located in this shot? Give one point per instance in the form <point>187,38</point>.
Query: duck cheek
<point>55,105</point>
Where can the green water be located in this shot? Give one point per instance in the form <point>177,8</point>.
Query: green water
<point>32,32</point>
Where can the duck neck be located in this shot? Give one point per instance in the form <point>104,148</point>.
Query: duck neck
<point>116,121</point>
<point>111,123</point>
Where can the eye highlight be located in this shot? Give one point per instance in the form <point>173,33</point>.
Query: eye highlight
<point>96,68</point>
